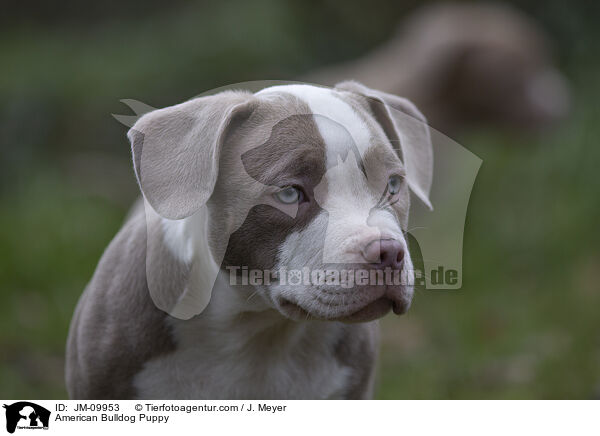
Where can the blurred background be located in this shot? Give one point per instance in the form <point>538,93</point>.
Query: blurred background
<point>516,83</point>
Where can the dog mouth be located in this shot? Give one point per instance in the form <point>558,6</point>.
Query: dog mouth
<point>376,309</point>
<point>396,299</point>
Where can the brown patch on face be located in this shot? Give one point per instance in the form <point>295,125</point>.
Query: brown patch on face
<point>294,150</point>
<point>293,155</point>
<point>380,163</point>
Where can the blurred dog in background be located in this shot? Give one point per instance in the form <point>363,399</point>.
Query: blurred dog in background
<point>465,65</point>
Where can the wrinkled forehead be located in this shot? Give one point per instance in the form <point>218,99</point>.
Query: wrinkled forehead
<point>303,131</point>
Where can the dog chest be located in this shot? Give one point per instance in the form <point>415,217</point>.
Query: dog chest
<point>205,373</point>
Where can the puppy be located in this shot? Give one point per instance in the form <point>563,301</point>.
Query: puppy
<point>293,178</point>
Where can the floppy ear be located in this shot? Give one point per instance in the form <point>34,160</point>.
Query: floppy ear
<point>176,150</point>
<point>403,123</point>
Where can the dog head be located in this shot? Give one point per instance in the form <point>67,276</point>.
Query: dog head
<point>293,180</point>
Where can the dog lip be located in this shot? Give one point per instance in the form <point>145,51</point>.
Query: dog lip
<point>400,308</point>
<point>395,298</point>
<point>369,312</point>
<point>401,298</point>
<point>374,310</point>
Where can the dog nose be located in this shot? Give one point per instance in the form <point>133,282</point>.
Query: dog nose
<point>384,253</point>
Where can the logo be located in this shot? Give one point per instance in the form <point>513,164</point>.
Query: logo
<point>26,415</point>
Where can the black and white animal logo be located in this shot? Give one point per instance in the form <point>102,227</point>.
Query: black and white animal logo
<point>26,415</point>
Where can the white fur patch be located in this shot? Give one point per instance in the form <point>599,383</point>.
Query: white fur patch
<point>222,355</point>
<point>187,240</point>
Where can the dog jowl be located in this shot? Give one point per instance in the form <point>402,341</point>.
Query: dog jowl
<point>290,178</point>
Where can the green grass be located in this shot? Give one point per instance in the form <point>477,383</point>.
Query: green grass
<point>53,235</point>
<point>526,322</point>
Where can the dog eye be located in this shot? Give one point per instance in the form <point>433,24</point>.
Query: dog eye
<point>394,184</point>
<point>289,195</point>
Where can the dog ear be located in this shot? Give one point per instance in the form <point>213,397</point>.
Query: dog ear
<point>403,123</point>
<point>176,150</point>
